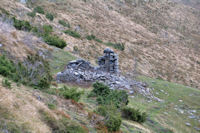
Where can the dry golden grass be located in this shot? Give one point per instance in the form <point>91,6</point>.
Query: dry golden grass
<point>160,43</point>
<point>24,107</point>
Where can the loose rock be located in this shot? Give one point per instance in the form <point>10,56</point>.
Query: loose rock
<point>82,72</point>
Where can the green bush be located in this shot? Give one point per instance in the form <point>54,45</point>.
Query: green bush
<point>113,122</point>
<point>54,41</point>
<point>119,46</point>
<point>39,9</point>
<point>99,89</point>
<point>63,23</point>
<point>21,24</point>
<point>47,29</point>
<point>51,106</point>
<point>134,114</point>
<point>90,37</point>
<point>28,72</point>
<point>106,96</point>
<point>6,83</point>
<point>72,33</point>
<point>31,14</point>
<point>117,98</point>
<point>50,16</point>
<point>98,40</point>
<point>111,115</point>
<point>7,67</point>
<point>70,93</point>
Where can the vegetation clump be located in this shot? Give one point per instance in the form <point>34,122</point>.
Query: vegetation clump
<point>113,122</point>
<point>22,24</point>
<point>47,29</point>
<point>119,46</point>
<point>55,41</point>
<point>93,37</point>
<point>6,83</point>
<point>63,23</point>
<point>50,16</point>
<point>106,96</point>
<point>66,92</point>
<point>134,114</point>
<point>90,37</point>
<point>28,72</point>
<point>39,9</point>
<point>112,117</point>
<point>31,14</point>
<point>73,33</point>
<point>7,67</point>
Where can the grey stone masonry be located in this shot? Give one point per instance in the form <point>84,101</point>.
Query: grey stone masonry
<point>109,61</point>
<point>82,72</point>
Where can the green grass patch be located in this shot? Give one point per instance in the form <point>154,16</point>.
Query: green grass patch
<point>22,24</point>
<point>6,83</point>
<point>55,41</point>
<point>59,60</point>
<point>72,33</point>
<point>66,92</point>
<point>163,116</point>
<point>31,14</point>
<point>63,23</point>
<point>119,46</point>
<point>93,37</point>
<point>39,9</point>
<point>50,16</point>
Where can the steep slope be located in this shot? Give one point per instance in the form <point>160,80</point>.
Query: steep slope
<point>161,38</point>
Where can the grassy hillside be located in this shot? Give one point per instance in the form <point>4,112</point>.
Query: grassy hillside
<point>171,115</point>
<point>159,39</point>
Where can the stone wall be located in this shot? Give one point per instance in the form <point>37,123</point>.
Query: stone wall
<point>82,72</point>
<point>109,61</point>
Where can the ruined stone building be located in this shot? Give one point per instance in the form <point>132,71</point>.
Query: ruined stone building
<point>109,61</point>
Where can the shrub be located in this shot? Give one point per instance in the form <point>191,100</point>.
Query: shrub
<point>105,96</point>
<point>72,33</point>
<point>31,14</point>
<point>47,29</point>
<point>54,41</point>
<point>7,67</point>
<point>98,40</point>
<point>90,37</point>
<point>70,93</point>
<point>6,83</point>
<point>28,72</point>
<point>39,9</point>
<point>111,115</point>
<point>51,106</point>
<point>113,122</point>
<point>99,89</point>
<point>21,24</point>
<point>63,23</point>
<point>119,46</point>
<point>75,48</point>
<point>134,114</point>
<point>34,30</point>
<point>50,16</point>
